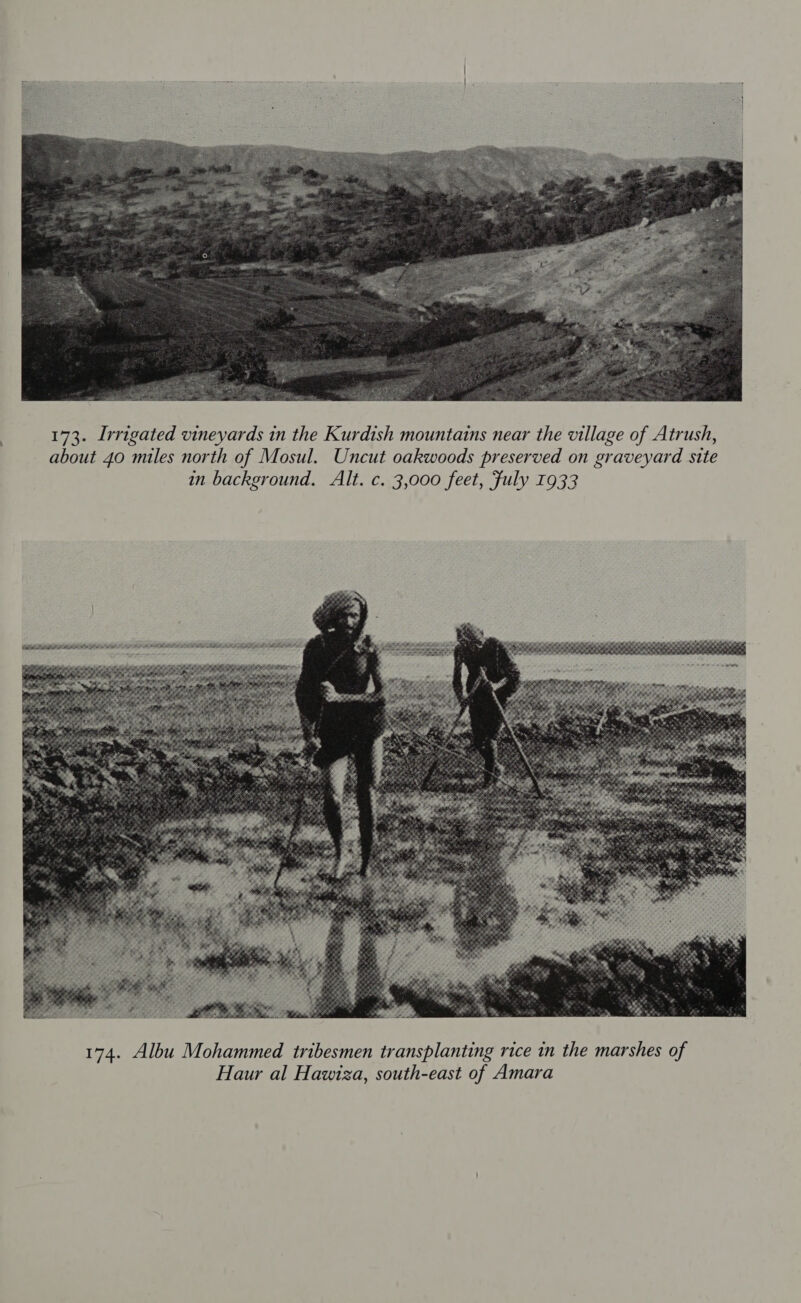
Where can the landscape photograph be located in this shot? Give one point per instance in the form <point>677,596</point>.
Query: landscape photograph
<point>386,242</point>
<point>565,836</point>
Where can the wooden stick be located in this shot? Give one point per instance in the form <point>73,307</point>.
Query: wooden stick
<point>513,737</point>
<point>437,746</point>
<point>430,773</point>
<point>670,714</point>
<point>296,824</point>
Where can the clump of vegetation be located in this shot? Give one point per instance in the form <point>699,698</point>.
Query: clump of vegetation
<point>453,323</point>
<point>63,845</point>
<point>335,343</point>
<point>56,359</point>
<point>248,365</point>
<point>274,319</point>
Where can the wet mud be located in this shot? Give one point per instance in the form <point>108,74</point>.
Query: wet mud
<point>150,871</point>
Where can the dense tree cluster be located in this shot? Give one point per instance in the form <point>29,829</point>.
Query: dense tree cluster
<point>350,223</point>
<point>414,227</point>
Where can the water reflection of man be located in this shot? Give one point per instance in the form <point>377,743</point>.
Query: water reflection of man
<point>334,1000</point>
<point>484,901</point>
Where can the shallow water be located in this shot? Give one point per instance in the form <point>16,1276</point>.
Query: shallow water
<point>203,925</point>
<point>696,670</point>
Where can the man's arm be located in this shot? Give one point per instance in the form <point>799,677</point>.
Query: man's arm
<point>308,696</point>
<point>509,680</point>
<point>457,676</point>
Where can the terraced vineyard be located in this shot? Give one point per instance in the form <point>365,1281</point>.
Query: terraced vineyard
<point>146,329</point>
<point>227,309</point>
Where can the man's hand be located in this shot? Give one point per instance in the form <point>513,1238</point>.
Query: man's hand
<point>328,692</point>
<point>310,747</point>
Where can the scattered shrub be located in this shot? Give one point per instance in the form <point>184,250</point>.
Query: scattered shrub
<point>454,323</point>
<point>248,365</point>
<point>274,319</point>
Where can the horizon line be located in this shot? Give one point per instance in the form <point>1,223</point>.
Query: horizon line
<point>729,644</point>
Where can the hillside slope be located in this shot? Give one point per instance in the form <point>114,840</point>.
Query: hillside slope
<point>640,314</point>
<point>481,170</point>
<point>682,269</point>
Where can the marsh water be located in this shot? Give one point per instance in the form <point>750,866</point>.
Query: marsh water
<point>204,927</point>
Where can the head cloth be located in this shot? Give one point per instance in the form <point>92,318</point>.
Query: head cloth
<point>469,633</point>
<point>334,604</point>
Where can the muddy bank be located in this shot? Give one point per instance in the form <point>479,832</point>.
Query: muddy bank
<point>702,977</point>
<point>618,978</point>
<point>88,814</point>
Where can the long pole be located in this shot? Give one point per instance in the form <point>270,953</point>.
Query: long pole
<point>430,772</point>
<point>296,824</point>
<point>512,735</point>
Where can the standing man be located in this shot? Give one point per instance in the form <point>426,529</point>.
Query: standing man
<point>340,698</point>
<point>473,654</point>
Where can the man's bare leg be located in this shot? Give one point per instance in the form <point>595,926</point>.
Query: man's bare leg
<point>369,763</point>
<point>333,793</point>
<point>489,752</point>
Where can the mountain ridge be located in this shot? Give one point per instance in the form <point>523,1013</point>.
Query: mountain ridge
<point>481,169</point>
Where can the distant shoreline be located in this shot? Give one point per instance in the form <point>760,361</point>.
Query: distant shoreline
<point>707,647</point>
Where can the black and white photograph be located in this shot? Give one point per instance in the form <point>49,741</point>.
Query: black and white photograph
<point>381,241</point>
<point>384,779</point>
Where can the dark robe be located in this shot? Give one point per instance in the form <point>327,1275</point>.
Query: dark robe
<point>343,727</point>
<point>493,658</point>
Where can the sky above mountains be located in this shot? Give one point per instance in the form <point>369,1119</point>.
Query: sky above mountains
<point>632,120</point>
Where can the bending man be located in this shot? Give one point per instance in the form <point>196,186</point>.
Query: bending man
<point>340,715</point>
<point>473,654</point>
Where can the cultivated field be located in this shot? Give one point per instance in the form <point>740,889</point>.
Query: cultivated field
<point>229,307</point>
<point>57,301</point>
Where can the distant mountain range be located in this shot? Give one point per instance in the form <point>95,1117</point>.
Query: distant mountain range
<point>481,170</point>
